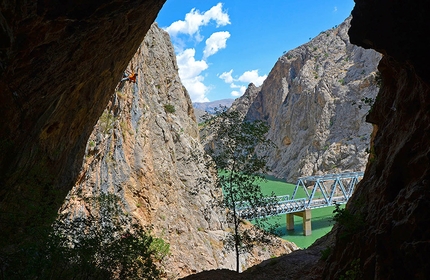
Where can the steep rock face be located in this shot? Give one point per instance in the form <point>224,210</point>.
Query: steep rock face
<point>393,198</point>
<point>243,103</point>
<point>312,100</point>
<point>391,201</point>
<point>58,66</point>
<point>145,149</point>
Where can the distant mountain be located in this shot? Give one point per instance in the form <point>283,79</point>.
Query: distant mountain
<point>210,106</point>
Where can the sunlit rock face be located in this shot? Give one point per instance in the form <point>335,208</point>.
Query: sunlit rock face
<point>390,207</point>
<point>59,65</point>
<point>315,100</point>
<point>392,241</point>
<point>146,150</point>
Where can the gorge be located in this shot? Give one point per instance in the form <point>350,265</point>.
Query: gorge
<point>60,65</point>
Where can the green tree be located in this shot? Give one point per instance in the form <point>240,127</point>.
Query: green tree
<point>103,246</point>
<point>241,169</point>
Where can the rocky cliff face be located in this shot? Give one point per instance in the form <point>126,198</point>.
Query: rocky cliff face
<point>386,232</point>
<point>393,198</point>
<point>315,100</point>
<point>59,64</point>
<point>145,149</point>
<point>243,103</point>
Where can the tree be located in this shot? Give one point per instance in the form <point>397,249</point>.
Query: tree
<point>103,246</point>
<point>232,145</point>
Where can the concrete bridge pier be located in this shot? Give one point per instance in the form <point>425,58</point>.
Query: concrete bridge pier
<point>306,216</point>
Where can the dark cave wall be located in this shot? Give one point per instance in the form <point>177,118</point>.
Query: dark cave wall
<point>390,208</point>
<point>59,64</point>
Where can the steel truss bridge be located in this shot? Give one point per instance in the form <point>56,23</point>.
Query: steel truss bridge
<point>321,191</point>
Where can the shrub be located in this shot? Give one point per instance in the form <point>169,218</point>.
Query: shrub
<point>169,108</point>
<point>350,223</point>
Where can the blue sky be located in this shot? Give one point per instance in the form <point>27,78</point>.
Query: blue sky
<point>223,46</point>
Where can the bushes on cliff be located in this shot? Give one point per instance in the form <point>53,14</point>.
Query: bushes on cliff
<point>103,246</point>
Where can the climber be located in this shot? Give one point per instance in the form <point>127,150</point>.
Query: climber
<point>129,76</point>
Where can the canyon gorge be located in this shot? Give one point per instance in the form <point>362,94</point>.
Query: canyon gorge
<point>59,69</point>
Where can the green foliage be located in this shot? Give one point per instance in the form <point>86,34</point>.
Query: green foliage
<point>235,154</point>
<point>350,223</point>
<point>106,121</point>
<point>160,248</point>
<point>91,144</point>
<point>105,246</point>
<point>378,79</point>
<point>169,108</point>
<point>366,101</point>
<point>354,273</point>
<point>325,253</point>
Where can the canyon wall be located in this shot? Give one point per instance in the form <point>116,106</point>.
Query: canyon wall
<point>391,203</point>
<point>315,100</point>
<point>59,64</point>
<point>384,232</point>
<point>145,149</point>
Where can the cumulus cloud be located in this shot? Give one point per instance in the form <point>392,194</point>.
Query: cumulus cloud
<point>190,71</point>
<point>188,66</point>
<point>226,76</point>
<point>196,89</point>
<point>194,20</point>
<point>215,42</point>
<point>247,77</point>
<point>252,77</point>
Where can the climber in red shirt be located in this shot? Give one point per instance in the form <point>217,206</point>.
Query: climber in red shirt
<point>129,76</point>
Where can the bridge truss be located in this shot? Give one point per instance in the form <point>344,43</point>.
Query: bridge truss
<point>321,191</point>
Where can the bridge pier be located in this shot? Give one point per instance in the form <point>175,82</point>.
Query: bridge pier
<point>306,216</point>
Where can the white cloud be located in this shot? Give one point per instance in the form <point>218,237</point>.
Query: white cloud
<point>226,77</point>
<point>335,9</point>
<point>247,77</point>
<point>196,89</point>
<point>241,91</point>
<point>188,66</point>
<point>195,19</point>
<point>252,77</point>
<point>190,71</point>
<point>215,42</point>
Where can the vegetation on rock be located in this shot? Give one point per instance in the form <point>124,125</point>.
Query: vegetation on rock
<point>92,247</point>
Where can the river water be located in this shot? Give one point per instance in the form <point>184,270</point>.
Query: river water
<point>322,219</point>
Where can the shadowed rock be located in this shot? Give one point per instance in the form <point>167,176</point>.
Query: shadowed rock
<point>59,64</point>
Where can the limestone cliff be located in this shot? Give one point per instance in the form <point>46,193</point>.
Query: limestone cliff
<point>315,100</point>
<point>391,239</point>
<point>145,148</point>
<point>59,63</point>
<point>243,103</point>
